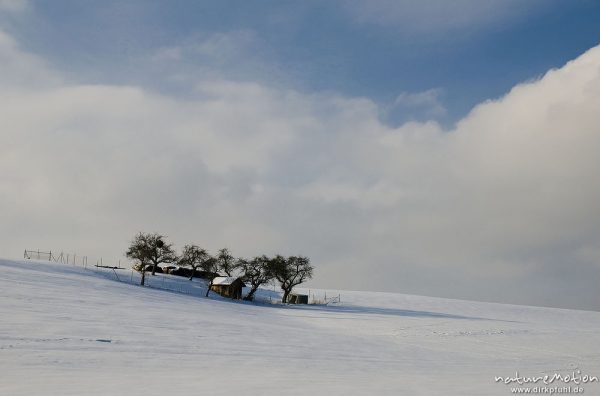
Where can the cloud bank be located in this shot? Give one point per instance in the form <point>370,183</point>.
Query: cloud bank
<point>503,207</point>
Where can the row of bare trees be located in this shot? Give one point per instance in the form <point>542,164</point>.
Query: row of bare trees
<point>149,250</point>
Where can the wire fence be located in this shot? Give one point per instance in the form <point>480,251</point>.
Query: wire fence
<point>322,298</point>
<point>121,272</point>
<point>67,258</point>
<point>271,294</point>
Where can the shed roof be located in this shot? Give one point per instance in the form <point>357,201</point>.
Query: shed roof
<point>224,280</point>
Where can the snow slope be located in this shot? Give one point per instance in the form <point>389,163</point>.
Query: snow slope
<point>68,331</point>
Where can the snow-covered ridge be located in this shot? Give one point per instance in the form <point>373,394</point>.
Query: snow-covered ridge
<point>68,331</point>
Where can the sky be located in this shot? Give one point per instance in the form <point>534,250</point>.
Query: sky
<point>414,147</point>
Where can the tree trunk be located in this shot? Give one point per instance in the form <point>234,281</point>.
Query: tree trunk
<point>209,286</point>
<point>250,296</point>
<point>143,277</point>
<point>193,272</point>
<point>285,296</point>
<point>153,269</point>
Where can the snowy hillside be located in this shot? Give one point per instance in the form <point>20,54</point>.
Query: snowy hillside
<point>68,331</point>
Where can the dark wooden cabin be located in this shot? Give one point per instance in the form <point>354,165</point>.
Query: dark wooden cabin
<point>228,286</point>
<point>187,272</point>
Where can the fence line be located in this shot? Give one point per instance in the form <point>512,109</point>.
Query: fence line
<point>178,284</point>
<point>65,258</point>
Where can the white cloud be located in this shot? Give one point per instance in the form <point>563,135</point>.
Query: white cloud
<point>237,54</point>
<point>21,70</point>
<point>426,105</point>
<point>14,5</point>
<point>437,16</point>
<point>167,54</point>
<point>504,207</point>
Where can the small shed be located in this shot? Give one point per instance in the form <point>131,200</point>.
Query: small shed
<point>228,286</point>
<point>294,298</point>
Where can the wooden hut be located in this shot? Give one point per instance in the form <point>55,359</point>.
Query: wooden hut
<point>295,298</point>
<point>228,286</point>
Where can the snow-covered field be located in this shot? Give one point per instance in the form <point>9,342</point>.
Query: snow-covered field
<point>69,331</point>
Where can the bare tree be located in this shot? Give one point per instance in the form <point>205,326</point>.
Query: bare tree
<point>226,262</point>
<point>290,272</point>
<point>139,252</point>
<point>256,272</point>
<point>210,267</point>
<point>192,256</point>
<point>150,249</point>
